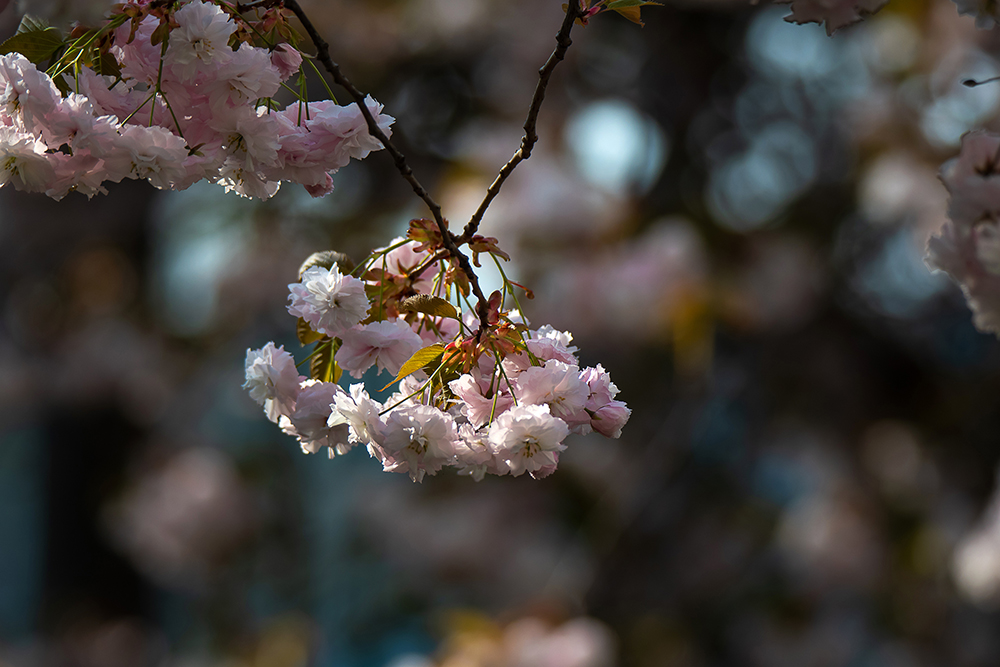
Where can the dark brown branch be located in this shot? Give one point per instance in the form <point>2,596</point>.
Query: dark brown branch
<point>323,54</point>
<point>424,265</point>
<point>528,142</point>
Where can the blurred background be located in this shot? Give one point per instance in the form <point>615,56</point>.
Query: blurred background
<point>728,211</point>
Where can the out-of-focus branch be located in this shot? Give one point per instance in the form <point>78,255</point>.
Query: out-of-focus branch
<point>528,142</point>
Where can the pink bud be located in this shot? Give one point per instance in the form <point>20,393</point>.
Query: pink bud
<point>286,60</point>
<point>610,419</point>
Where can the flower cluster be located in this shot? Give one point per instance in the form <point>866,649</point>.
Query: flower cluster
<point>484,396</point>
<point>968,246</point>
<point>173,93</point>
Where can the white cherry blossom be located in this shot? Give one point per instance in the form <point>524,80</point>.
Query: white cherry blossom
<point>329,301</point>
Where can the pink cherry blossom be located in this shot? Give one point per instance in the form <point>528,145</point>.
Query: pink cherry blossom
<point>272,380</point>
<point>361,414</point>
<point>968,246</point>
<point>329,301</point>
<point>527,438</point>
<point>286,59</point>
<point>559,386</point>
<point>419,439</point>
<point>479,404</point>
<point>387,344</point>
<point>309,422</point>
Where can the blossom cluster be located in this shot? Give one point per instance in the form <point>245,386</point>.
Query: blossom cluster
<point>491,397</point>
<point>172,95</point>
<point>968,246</point>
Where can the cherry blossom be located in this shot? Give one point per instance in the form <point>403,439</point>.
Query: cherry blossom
<point>309,422</point>
<point>419,439</point>
<point>272,380</point>
<point>835,14</point>
<point>387,344</point>
<point>328,300</point>
<point>968,246</point>
<point>526,438</point>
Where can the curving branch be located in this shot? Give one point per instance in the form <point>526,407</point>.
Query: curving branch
<point>530,137</point>
<point>451,242</point>
<point>449,239</point>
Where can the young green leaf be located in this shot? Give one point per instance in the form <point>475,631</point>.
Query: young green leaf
<point>305,333</point>
<point>429,355</point>
<point>322,366</point>
<point>630,9</point>
<point>428,305</point>
<point>107,65</point>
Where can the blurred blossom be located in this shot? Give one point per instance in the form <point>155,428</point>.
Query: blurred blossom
<point>785,49</point>
<point>831,639</point>
<point>496,542</point>
<point>547,199</point>
<point>111,359</point>
<point>827,531</point>
<point>751,188</point>
<point>180,521</point>
<point>892,454</point>
<point>898,186</point>
<point>581,642</point>
<point>616,147</point>
<point>888,42</point>
<point>976,560</point>
<point>779,285</point>
<point>894,280</point>
<point>830,541</point>
<point>475,641</point>
<point>633,289</point>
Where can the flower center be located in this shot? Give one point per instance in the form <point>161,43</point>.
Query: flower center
<point>418,442</point>
<point>530,447</point>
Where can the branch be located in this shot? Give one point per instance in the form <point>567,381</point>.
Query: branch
<point>323,54</point>
<point>528,142</point>
<point>437,257</point>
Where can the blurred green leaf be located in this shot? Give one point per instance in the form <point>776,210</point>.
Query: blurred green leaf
<point>34,40</point>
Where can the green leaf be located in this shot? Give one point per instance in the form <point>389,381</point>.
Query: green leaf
<point>305,333</point>
<point>37,46</point>
<point>428,356</point>
<point>160,33</point>
<point>428,305</point>
<point>107,65</point>
<point>31,24</point>
<point>630,9</point>
<point>322,366</point>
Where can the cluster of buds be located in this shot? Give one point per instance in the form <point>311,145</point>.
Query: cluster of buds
<point>171,92</point>
<point>479,391</point>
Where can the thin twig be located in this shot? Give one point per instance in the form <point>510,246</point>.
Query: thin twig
<point>323,54</point>
<point>528,142</point>
<point>423,266</point>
